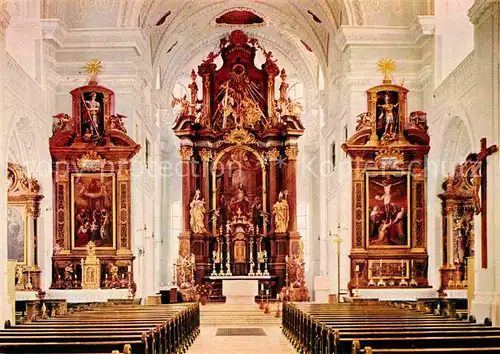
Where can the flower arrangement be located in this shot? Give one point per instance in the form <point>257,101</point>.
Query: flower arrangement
<point>203,292</point>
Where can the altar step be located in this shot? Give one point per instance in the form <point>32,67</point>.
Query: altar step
<point>214,315</point>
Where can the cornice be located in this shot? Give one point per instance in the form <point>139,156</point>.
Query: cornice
<point>55,30</point>
<point>414,35</point>
<point>480,8</point>
<point>4,18</point>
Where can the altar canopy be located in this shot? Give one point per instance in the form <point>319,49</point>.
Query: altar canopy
<point>388,151</point>
<point>238,152</point>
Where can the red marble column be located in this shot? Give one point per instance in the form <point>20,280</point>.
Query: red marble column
<point>206,156</point>
<point>186,153</point>
<point>272,155</point>
<point>291,183</point>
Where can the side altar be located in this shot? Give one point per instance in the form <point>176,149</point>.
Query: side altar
<point>239,150</point>
<point>388,153</point>
<point>91,164</point>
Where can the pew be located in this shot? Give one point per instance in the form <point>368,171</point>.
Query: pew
<point>154,329</point>
<point>346,328</point>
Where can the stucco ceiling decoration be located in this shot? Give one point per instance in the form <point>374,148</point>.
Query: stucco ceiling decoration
<point>239,17</point>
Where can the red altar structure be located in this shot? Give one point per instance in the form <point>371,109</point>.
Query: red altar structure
<point>91,160</point>
<point>238,152</point>
<point>388,150</point>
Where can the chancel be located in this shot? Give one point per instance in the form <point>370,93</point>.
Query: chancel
<point>249,176</point>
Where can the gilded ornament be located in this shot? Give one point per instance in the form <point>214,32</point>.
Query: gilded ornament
<point>386,66</point>
<point>281,212</point>
<point>186,152</point>
<point>389,158</point>
<point>239,136</point>
<point>93,67</point>
<point>292,152</point>
<point>206,155</point>
<point>273,155</point>
<point>91,161</point>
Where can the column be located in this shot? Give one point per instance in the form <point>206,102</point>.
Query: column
<point>485,14</point>
<point>291,152</point>
<point>186,153</point>
<point>206,156</point>
<point>5,310</point>
<point>272,156</point>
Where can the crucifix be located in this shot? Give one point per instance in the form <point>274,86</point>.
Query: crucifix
<point>481,158</point>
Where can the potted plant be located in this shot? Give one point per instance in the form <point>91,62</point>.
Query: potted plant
<point>203,292</point>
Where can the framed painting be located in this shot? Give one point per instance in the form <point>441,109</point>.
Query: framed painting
<point>93,210</point>
<point>17,232</point>
<point>387,209</point>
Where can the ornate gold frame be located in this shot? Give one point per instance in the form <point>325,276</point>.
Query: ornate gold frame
<point>406,263</point>
<point>72,215</point>
<point>367,200</point>
<point>217,158</point>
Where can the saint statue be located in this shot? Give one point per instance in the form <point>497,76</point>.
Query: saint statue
<point>93,108</point>
<point>388,113</point>
<point>281,214</point>
<point>239,201</point>
<point>197,214</point>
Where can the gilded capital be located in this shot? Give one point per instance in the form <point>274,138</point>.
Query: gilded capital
<point>273,154</point>
<point>186,152</point>
<point>292,152</point>
<point>205,155</point>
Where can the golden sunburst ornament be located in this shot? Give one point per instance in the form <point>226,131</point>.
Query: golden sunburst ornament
<point>93,67</point>
<point>386,66</point>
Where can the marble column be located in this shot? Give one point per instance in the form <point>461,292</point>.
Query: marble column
<point>5,310</point>
<point>291,152</point>
<point>485,15</point>
<point>186,153</point>
<point>272,156</point>
<point>206,156</point>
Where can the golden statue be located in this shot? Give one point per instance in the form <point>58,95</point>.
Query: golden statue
<point>281,214</point>
<point>197,214</point>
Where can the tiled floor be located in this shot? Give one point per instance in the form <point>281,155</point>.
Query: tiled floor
<point>215,316</point>
<point>274,342</point>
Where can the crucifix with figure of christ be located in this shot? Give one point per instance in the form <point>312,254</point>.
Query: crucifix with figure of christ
<point>481,158</point>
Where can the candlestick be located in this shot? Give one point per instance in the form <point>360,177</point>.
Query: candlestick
<point>266,271</point>
<point>403,281</point>
<point>380,282</point>
<point>214,272</point>
<point>228,260</point>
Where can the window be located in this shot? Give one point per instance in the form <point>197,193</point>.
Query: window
<point>333,156</point>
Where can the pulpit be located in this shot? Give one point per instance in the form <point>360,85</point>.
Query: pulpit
<point>238,153</point>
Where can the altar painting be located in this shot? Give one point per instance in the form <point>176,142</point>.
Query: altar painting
<point>239,179</point>
<point>388,203</point>
<point>93,212</point>
<point>16,233</point>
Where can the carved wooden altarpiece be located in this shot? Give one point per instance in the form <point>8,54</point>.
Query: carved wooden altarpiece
<point>23,211</point>
<point>238,152</point>
<point>91,161</point>
<point>388,150</point>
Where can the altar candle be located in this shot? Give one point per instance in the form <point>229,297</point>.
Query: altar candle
<point>267,291</point>
<point>129,268</point>
<point>357,267</point>
<point>261,287</point>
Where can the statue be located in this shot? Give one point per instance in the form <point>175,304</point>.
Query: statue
<point>294,108</point>
<point>113,272</point>
<point>183,103</point>
<point>116,123</point>
<point>388,114</point>
<point>19,277</point>
<point>363,121</point>
<point>281,213</point>
<point>240,201</point>
<point>197,213</point>
<point>93,109</point>
<point>418,119</point>
<point>62,122</point>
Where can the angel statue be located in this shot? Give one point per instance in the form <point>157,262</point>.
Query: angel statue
<point>294,108</point>
<point>197,214</point>
<point>113,271</point>
<point>62,122</point>
<point>116,123</point>
<point>183,103</point>
<point>363,121</point>
<point>281,214</point>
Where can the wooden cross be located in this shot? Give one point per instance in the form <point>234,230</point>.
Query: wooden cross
<point>481,157</point>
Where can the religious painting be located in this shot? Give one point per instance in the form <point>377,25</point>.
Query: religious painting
<point>239,182</point>
<point>93,211</point>
<point>387,114</point>
<point>16,233</point>
<point>387,210</point>
<point>92,119</point>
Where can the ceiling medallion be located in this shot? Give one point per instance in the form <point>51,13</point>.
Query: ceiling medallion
<point>239,136</point>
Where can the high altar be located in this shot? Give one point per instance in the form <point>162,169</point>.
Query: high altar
<point>238,152</point>
<point>388,151</point>
<point>91,161</point>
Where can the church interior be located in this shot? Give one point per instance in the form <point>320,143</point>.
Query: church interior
<point>234,176</point>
